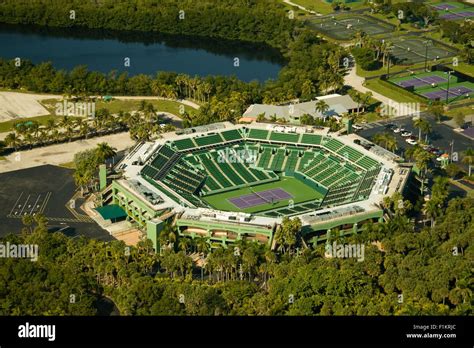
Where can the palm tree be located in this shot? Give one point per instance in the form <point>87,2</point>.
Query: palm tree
<point>386,140</point>
<point>105,151</point>
<point>322,107</point>
<point>468,159</point>
<point>13,141</point>
<point>432,210</point>
<point>422,125</point>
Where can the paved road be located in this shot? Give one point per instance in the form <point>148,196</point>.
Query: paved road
<point>441,136</point>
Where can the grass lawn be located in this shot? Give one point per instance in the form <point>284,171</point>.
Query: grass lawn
<point>300,192</point>
<point>170,106</point>
<point>114,106</point>
<point>465,68</point>
<point>393,92</point>
<point>8,125</point>
<point>68,165</point>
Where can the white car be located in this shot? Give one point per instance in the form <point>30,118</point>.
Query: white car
<point>357,127</point>
<point>406,134</point>
<point>411,141</point>
<point>397,130</point>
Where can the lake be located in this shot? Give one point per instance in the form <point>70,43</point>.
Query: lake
<point>147,52</point>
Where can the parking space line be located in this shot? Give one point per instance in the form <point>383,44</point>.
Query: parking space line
<point>14,206</point>
<point>34,205</point>
<point>45,202</point>
<point>24,205</point>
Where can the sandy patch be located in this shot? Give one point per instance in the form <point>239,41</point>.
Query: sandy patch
<point>19,105</point>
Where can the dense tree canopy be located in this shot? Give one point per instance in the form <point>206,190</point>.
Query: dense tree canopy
<point>430,267</point>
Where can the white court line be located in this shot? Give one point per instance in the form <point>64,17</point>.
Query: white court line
<point>24,205</point>
<point>14,206</point>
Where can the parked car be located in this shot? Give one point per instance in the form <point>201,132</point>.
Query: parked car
<point>357,127</point>
<point>406,134</point>
<point>397,130</point>
<point>411,141</point>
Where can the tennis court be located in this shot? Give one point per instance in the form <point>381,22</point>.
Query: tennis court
<point>408,51</point>
<point>344,27</point>
<point>434,85</point>
<point>456,91</point>
<point>258,198</point>
<point>454,10</point>
<point>423,80</point>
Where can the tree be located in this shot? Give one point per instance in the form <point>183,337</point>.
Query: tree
<point>459,118</point>
<point>386,140</point>
<point>437,110</point>
<point>13,141</point>
<point>322,107</point>
<point>423,126</point>
<point>468,159</point>
<point>104,151</point>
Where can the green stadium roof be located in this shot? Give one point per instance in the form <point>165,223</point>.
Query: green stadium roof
<point>113,211</point>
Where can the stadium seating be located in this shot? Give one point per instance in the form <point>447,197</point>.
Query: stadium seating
<point>184,144</point>
<point>231,135</point>
<point>192,167</point>
<point>212,139</point>
<point>285,137</point>
<point>312,139</point>
<point>258,134</point>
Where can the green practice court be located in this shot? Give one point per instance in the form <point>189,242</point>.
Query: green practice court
<point>408,51</point>
<point>344,27</point>
<point>296,188</point>
<point>453,11</point>
<point>434,85</point>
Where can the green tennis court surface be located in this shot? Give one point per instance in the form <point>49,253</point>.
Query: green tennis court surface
<point>344,27</point>
<point>299,191</point>
<point>451,10</point>
<point>408,51</point>
<point>434,85</point>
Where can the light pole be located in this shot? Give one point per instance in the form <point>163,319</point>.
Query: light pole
<point>388,63</point>
<point>447,88</point>
<point>427,43</point>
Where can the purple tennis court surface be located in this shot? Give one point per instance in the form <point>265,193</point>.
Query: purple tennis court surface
<point>455,92</point>
<point>443,6</point>
<point>263,197</point>
<point>458,15</point>
<point>422,81</point>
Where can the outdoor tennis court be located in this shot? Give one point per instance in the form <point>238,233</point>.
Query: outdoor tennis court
<point>423,80</point>
<point>456,91</point>
<point>288,190</point>
<point>454,10</point>
<point>408,51</point>
<point>434,85</point>
<point>258,198</point>
<point>344,27</point>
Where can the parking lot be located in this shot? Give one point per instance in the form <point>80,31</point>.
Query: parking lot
<point>440,137</point>
<point>44,190</point>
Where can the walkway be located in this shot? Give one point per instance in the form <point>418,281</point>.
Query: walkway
<point>357,82</point>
